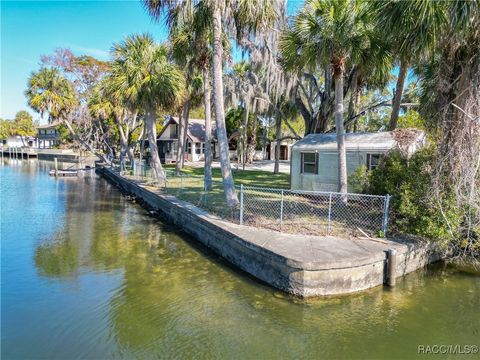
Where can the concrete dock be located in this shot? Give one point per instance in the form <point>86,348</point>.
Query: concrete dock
<point>302,265</point>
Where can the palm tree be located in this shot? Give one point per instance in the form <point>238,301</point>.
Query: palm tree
<point>49,92</point>
<point>245,16</point>
<point>142,73</point>
<point>413,27</point>
<point>331,33</point>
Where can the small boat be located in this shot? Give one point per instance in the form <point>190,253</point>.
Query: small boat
<point>63,173</point>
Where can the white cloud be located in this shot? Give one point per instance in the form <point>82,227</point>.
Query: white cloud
<point>98,53</point>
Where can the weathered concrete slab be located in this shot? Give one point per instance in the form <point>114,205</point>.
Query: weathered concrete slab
<point>299,264</point>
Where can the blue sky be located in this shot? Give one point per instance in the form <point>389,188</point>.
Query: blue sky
<point>30,29</point>
<point>33,28</point>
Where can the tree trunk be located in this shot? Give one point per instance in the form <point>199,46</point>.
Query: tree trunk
<point>252,144</point>
<point>151,129</point>
<point>208,130</point>
<point>342,156</point>
<point>352,110</point>
<point>185,115</point>
<point>84,143</point>
<point>123,140</point>
<point>142,144</point>
<point>243,140</point>
<point>356,106</point>
<point>131,147</point>
<point>278,135</point>
<point>180,142</point>
<point>228,184</point>
<point>397,99</point>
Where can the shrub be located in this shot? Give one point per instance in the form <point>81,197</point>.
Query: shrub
<point>413,207</point>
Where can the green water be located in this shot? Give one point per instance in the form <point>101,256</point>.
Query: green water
<point>87,274</point>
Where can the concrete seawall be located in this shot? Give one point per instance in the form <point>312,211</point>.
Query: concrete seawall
<point>302,265</point>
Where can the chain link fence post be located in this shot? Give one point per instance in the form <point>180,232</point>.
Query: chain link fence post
<point>281,212</point>
<point>385,214</point>
<point>329,213</point>
<point>241,204</point>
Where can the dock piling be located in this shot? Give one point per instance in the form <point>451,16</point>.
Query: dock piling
<point>56,166</point>
<point>391,267</point>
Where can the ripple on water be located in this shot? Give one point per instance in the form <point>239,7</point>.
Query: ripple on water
<point>92,276</point>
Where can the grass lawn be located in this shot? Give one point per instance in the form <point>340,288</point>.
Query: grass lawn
<point>245,177</point>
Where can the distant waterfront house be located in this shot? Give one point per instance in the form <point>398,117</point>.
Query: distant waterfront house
<point>314,164</point>
<point>167,140</point>
<point>14,141</point>
<point>48,136</point>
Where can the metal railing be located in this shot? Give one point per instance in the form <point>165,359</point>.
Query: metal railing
<point>291,211</point>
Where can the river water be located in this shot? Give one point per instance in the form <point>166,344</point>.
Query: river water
<point>85,273</point>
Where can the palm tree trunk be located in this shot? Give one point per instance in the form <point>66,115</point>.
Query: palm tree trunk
<point>252,144</point>
<point>208,131</point>
<point>397,99</point>
<point>150,126</point>
<point>342,155</point>
<point>246,111</point>
<point>185,115</point>
<point>278,134</point>
<point>181,145</point>
<point>228,184</point>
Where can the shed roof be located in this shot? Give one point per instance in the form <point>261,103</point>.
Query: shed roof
<point>368,141</point>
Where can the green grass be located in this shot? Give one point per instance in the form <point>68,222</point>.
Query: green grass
<point>246,177</point>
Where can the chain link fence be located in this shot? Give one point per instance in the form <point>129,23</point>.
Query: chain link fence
<point>291,211</point>
<point>314,213</point>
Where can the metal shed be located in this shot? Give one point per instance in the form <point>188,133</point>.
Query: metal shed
<point>314,162</point>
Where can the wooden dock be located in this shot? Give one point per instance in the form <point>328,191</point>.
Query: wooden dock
<point>19,153</point>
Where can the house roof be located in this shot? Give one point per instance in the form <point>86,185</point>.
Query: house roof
<point>404,138</point>
<point>48,126</point>
<point>195,129</point>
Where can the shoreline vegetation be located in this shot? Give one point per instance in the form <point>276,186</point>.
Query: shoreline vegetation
<point>329,67</point>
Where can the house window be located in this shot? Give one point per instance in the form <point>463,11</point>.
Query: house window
<point>309,163</point>
<point>372,161</point>
<point>198,148</point>
<point>203,148</point>
<point>189,147</point>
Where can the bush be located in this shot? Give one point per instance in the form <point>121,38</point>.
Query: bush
<point>413,207</point>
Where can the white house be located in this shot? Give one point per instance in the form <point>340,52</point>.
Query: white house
<point>48,136</point>
<point>17,141</point>
<point>167,140</point>
<point>314,163</point>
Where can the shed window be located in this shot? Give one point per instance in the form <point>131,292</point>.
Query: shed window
<point>309,163</point>
<point>198,148</point>
<point>372,161</point>
<point>189,147</point>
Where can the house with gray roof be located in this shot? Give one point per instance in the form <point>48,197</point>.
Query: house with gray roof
<point>314,161</point>
<point>167,140</point>
<point>48,135</point>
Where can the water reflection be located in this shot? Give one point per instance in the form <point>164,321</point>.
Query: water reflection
<point>143,290</point>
